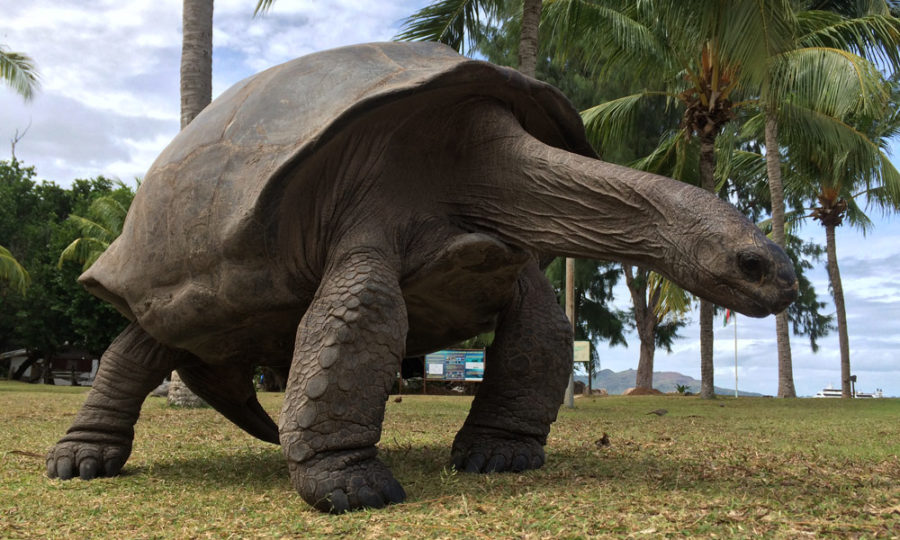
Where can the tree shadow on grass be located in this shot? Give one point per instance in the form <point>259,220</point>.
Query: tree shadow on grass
<point>249,468</point>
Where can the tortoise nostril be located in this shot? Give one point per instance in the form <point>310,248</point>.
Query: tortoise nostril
<point>751,265</point>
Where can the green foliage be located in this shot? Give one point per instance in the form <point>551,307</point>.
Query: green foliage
<point>34,225</point>
<point>106,215</point>
<point>453,22</point>
<point>19,72</point>
<point>12,272</point>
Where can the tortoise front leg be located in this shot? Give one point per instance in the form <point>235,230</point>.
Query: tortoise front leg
<point>526,372</point>
<point>348,350</point>
<point>99,441</point>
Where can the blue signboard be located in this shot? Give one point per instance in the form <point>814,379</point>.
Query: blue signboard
<point>455,365</point>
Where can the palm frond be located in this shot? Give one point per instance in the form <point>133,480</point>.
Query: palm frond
<point>452,22</point>
<point>110,212</point>
<point>876,37</point>
<point>84,251</point>
<point>19,72</point>
<point>832,81</point>
<point>802,127</point>
<point>262,7</point>
<point>672,300</point>
<point>606,37</point>
<point>12,272</point>
<point>792,221</point>
<point>614,119</point>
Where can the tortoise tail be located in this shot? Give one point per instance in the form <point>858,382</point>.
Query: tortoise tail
<point>229,390</point>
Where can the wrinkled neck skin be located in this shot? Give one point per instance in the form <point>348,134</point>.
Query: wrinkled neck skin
<point>500,180</point>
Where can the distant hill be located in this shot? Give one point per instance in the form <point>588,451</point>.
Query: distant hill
<point>664,381</point>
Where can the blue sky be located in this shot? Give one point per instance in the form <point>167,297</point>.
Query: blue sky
<point>109,104</point>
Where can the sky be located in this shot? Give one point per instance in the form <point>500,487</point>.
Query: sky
<point>109,103</point>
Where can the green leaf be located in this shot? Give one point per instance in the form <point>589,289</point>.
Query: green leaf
<point>12,272</point>
<point>19,72</point>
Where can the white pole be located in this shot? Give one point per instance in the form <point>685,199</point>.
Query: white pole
<point>570,313</point>
<point>735,357</point>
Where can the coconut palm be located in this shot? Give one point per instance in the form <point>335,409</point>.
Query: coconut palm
<point>12,272</point>
<point>19,72</point>
<point>840,181</point>
<point>456,23</point>
<point>841,82</point>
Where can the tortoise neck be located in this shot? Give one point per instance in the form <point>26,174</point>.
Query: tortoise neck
<point>555,202</point>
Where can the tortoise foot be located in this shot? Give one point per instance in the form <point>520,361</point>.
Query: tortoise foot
<point>341,481</point>
<point>87,460</point>
<point>487,450</point>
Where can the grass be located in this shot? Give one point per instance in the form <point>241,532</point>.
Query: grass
<point>725,468</point>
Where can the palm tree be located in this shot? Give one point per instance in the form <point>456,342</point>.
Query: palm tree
<point>12,272</point>
<point>451,21</point>
<point>18,71</point>
<point>839,180</point>
<point>103,225</point>
<point>819,44</point>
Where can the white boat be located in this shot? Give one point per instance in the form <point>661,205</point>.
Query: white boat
<point>831,392</point>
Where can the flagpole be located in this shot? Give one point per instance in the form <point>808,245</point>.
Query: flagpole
<point>735,357</point>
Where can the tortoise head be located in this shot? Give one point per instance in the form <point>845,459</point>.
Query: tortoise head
<point>719,255</point>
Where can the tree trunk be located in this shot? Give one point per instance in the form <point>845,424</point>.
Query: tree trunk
<point>528,39</point>
<point>196,58</point>
<point>707,367</point>
<point>196,93</point>
<point>707,339</point>
<point>776,193</point>
<point>837,291</point>
<point>645,322</point>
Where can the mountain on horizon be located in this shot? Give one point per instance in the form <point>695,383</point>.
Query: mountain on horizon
<point>665,381</point>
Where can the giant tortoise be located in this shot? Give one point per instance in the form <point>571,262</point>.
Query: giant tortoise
<point>338,212</point>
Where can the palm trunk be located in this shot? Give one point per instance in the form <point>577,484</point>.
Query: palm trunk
<point>776,193</point>
<point>528,40</point>
<point>707,367</point>
<point>196,93</point>
<point>645,322</point>
<point>837,291</point>
<point>196,58</point>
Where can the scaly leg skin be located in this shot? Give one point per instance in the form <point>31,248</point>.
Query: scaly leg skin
<point>99,441</point>
<point>348,350</point>
<point>526,372</point>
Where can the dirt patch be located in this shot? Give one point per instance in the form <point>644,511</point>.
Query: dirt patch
<point>642,392</point>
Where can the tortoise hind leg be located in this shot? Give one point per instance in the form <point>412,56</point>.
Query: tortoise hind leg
<point>99,441</point>
<point>526,372</point>
<point>228,388</point>
<point>349,346</point>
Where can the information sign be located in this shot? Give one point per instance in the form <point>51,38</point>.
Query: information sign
<point>455,365</point>
<point>582,351</point>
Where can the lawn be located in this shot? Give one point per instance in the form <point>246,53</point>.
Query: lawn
<point>727,468</point>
